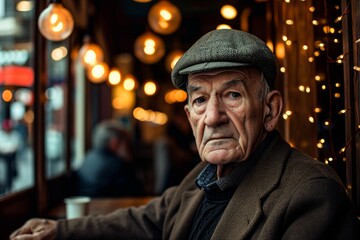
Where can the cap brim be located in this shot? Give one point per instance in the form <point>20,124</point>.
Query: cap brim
<point>208,66</point>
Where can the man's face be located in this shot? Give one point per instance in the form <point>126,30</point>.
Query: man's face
<point>226,112</point>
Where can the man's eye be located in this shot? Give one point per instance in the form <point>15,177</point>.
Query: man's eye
<point>234,95</point>
<point>199,100</point>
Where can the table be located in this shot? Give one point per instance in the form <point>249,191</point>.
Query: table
<point>102,205</point>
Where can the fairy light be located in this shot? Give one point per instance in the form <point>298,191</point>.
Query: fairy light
<point>289,22</point>
<point>342,111</point>
<point>311,119</point>
<point>329,39</point>
<point>315,22</point>
<point>338,19</point>
<point>317,110</point>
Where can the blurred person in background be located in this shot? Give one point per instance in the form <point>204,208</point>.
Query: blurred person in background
<point>107,170</point>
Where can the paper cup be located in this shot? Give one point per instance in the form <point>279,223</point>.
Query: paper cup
<point>76,207</point>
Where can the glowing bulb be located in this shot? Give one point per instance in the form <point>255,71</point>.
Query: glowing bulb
<point>228,12</point>
<point>129,83</point>
<point>114,76</point>
<point>55,22</point>
<point>164,17</point>
<point>289,22</point>
<point>172,58</point>
<point>7,95</point>
<point>149,48</point>
<point>90,54</point>
<point>223,26</point>
<point>24,6</point>
<point>150,88</point>
<point>98,73</point>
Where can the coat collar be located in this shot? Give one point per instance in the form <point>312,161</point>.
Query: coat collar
<point>244,212</point>
<point>261,180</point>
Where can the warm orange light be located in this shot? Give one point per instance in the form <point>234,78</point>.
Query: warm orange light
<point>150,88</point>
<point>98,73</point>
<point>90,53</point>
<point>164,17</point>
<point>228,12</point>
<point>55,22</point>
<point>223,26</point>
<point>114,76</point>
<point>149,48</point>
<point>7,95</point>
<point>129,83</point>
<point>172,58</point>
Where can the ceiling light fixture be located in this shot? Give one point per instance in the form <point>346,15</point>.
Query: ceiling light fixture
<point>55,22</point>
<point>149,48</point>
<point>164,17</point>
<point>90,53</point>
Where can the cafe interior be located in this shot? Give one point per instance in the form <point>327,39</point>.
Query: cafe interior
<point>67,65</point>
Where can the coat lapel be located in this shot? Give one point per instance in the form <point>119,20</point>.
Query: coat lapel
<point>245,208</point>
<point>189,203</point>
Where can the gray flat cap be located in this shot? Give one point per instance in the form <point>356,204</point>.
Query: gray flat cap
<point>225,48</point>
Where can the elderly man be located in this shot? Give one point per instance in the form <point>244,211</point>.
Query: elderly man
<point>251,184</point>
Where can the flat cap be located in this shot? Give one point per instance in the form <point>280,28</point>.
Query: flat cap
<point>225,48</point>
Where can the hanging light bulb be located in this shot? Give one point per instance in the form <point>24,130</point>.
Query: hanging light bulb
<point>114,76</point>
<point>90,53</point>
<point>164,17</point>
<point>228,12</point>
<point>149,48</point>
<point>172,58</point>
<point>55,22</point>
<point>98,73</point>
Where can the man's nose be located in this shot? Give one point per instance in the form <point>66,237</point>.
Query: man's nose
<point>215,112</point>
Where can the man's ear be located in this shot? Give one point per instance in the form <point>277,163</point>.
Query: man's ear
<point>274,105</point>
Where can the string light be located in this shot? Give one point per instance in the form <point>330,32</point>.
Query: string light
<point>329,88</point>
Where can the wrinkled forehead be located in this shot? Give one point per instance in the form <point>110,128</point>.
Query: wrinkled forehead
<point>244,71</point>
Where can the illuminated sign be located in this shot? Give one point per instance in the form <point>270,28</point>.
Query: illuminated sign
<point>16,76</point>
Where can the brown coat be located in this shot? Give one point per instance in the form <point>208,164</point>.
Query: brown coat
<point>286,195</point>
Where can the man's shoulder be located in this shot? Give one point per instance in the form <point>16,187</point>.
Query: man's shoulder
<point>304,167</point>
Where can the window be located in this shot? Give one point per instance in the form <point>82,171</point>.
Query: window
<point>16,102</point>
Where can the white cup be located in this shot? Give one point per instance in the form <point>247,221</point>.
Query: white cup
<point>76,206</point>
